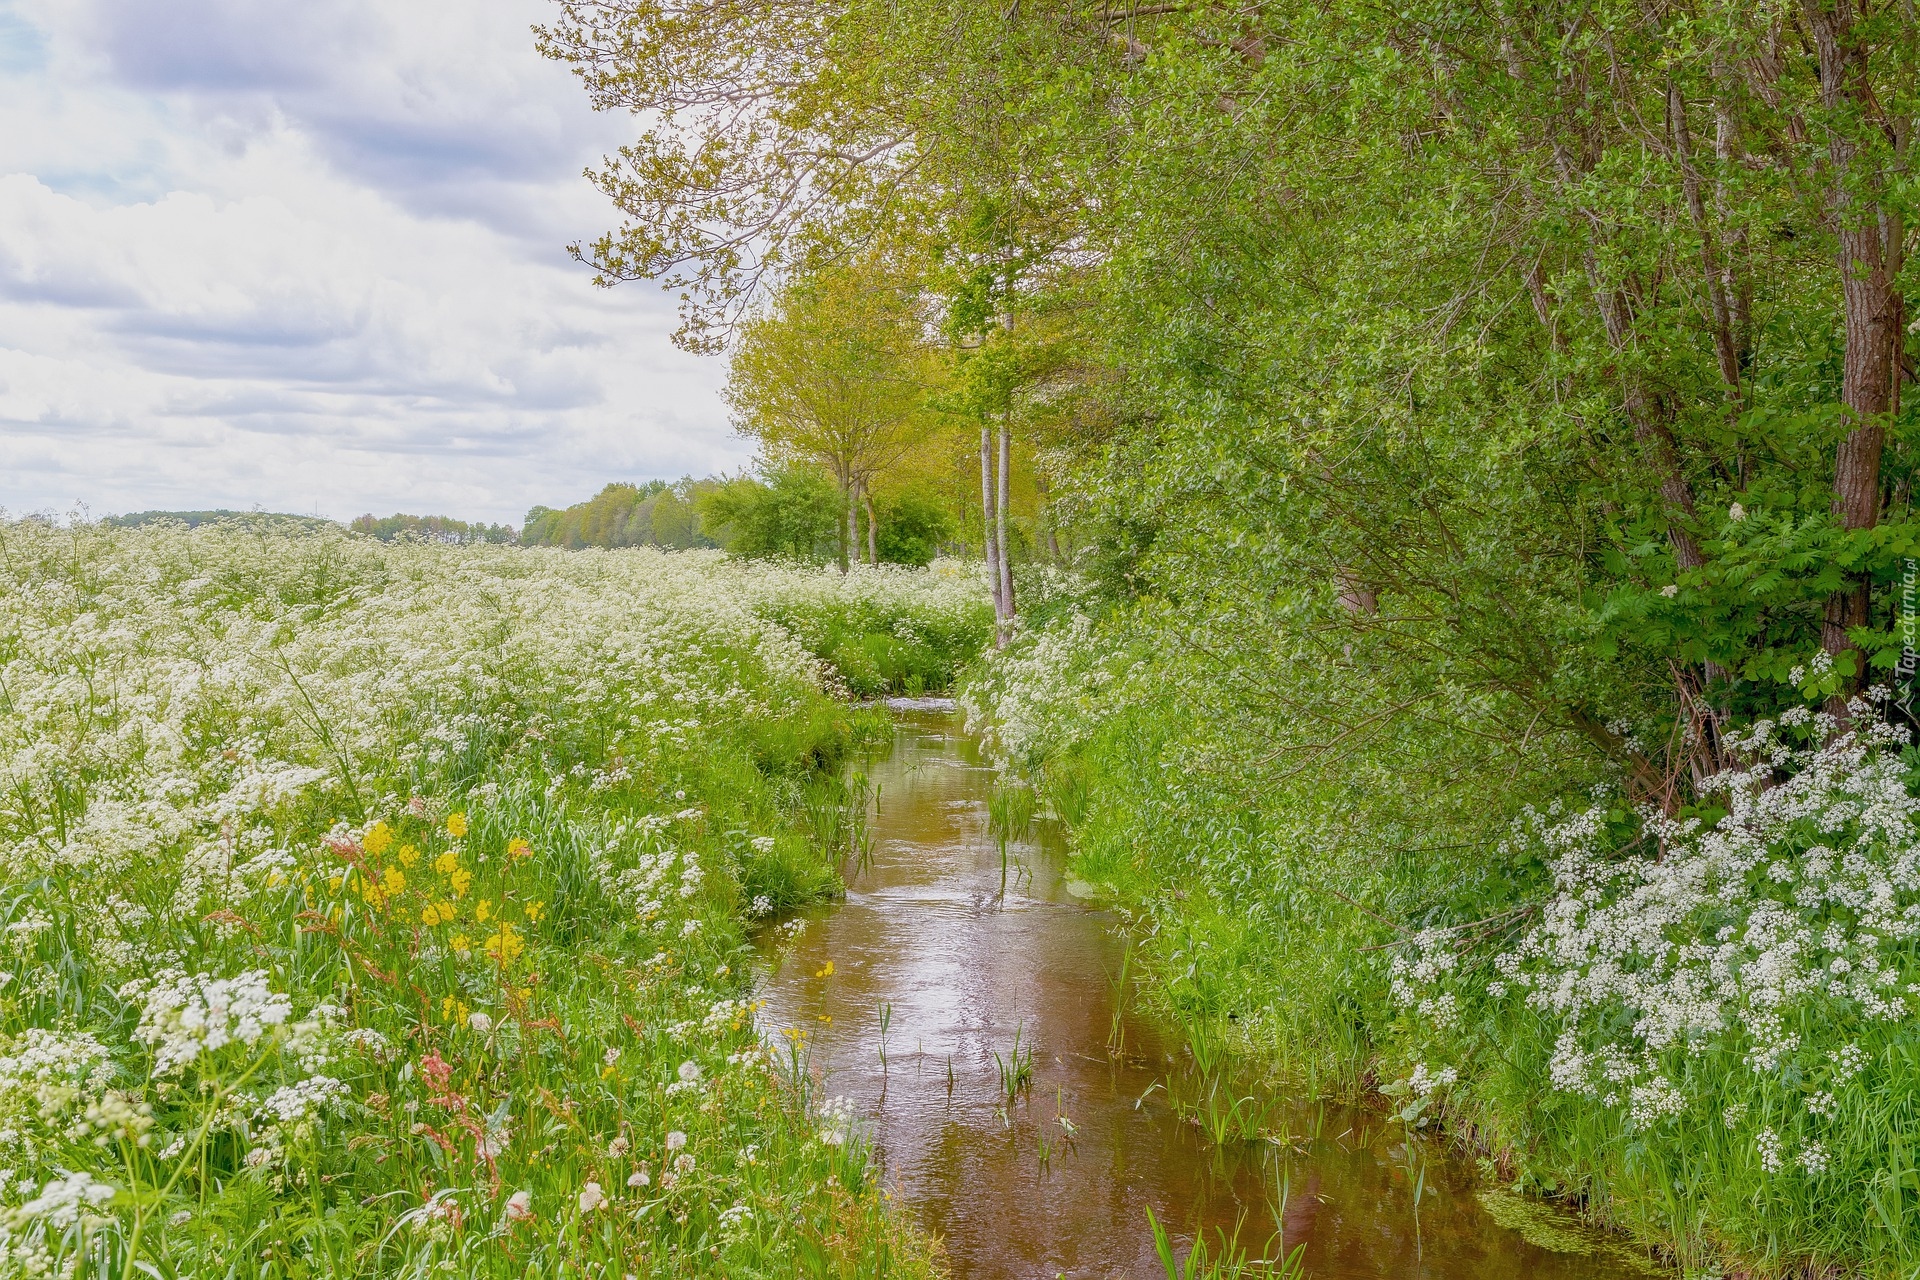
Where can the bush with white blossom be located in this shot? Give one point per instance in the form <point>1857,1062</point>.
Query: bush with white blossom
<point>1743,980</point>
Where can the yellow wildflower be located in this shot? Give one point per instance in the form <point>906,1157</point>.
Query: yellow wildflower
<point>447,863</point>
<point>506,944</point>
<point>394,880</point>
<point>483,912</point>
<point>333,882</point>
<point>378,840</point>
<point>408,855</point>
<point>436,913</point>
<point>459,942</point>
<point>826,972</point>
<point>534,911</point>
<point>453,1010</point>
<point>518,848</point>
<point>456,825</point>
<point>459,880</point>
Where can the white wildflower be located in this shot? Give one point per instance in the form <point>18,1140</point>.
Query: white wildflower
<point>62,1200</point>
<point>184,1016</point>
<point>305,1100</point>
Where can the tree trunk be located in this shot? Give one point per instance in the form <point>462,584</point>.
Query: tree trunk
<point>847,532</point>
<point>1046,518</point>
<point>1724,349</point>
<point>986,519</point>
<point>1000,516</point>
<point>1650,429</point>
<point>1870,246</point>
<point>873,527</point>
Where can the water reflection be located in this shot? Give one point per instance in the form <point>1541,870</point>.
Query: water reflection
<point>1058,1182</point>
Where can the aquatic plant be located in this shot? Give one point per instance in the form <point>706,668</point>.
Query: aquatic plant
<point>1016,1069</point>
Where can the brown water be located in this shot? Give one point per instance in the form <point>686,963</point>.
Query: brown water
<point>925,940</point>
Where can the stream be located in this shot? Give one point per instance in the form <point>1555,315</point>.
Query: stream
<point>925,947</point>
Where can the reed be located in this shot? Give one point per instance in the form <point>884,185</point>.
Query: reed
<point>1016,1069</point>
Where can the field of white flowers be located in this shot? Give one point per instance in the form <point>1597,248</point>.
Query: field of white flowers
<point>381,909</point>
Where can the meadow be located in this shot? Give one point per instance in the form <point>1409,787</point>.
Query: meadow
<point>385,909</point>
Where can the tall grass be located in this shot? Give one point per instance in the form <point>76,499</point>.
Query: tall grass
<point>385,910</point>
<point>1269,921</point>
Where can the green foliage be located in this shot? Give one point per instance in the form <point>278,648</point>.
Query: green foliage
<point>654,514</point>
<point>795,514</point>
<point>432,529</point>
<point>881,635</point>
<point>913,528</point>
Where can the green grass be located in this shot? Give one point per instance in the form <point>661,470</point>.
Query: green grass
<point>493,827</point>
<point>1267,933</point>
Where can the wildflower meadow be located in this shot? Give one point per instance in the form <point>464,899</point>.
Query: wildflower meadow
<point>383,909</point>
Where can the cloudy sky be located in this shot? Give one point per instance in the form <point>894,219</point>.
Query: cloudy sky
<point>308,255</point>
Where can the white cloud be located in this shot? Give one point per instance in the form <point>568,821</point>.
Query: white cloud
<point>310,257</point>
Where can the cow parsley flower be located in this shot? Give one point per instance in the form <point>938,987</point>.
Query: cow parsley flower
<point>62,1200</point>
<point>306,1100</point>
<point>184,1016</point>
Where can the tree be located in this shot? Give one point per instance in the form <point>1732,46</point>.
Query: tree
<point>832,375</point>
<point>652,514</point>
<point>795,514</point>
<point>913,526</point>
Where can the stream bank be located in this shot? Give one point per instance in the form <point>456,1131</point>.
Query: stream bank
<point>969,1008</point>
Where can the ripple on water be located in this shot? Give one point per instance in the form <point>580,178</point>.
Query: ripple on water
<point>924,931</point>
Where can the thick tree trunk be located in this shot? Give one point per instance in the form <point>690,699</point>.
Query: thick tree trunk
<point>1870,246</point>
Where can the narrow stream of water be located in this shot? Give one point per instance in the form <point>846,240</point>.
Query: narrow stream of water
<point>1058,1182</point>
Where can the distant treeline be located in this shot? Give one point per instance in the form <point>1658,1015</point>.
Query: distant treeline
<point>653,514</point>
<point>796,512</point>
<point>432,529</point>
<point>194,519</point>
<point>792,512</point>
